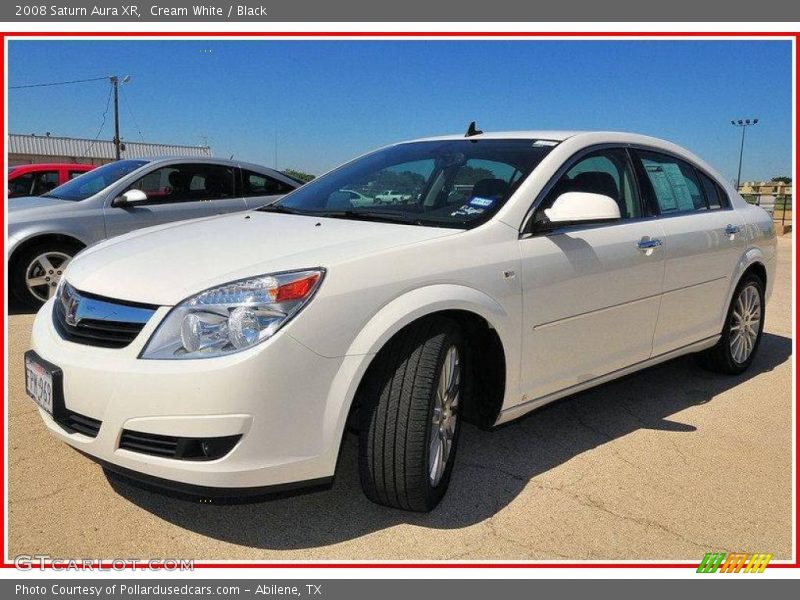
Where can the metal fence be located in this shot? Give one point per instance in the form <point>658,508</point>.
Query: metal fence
<point>780,207</point>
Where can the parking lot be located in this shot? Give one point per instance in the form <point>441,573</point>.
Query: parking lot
<point>665,464</point>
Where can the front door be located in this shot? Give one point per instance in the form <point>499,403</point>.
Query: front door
<point>591,293</point>
<point>176,192</point>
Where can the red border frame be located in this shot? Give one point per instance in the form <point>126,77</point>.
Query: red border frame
<point>412,34</point>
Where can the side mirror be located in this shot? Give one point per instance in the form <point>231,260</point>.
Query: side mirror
<point>128,198</point>
<point>582,207</point>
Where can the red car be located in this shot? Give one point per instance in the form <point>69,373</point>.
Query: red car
<point>35,180</point>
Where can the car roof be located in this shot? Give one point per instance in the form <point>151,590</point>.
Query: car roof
<point>209,160</point>
<point>222,161</point>
<point>555,135</point>
<point>585,137</point>
<point>42,166</point>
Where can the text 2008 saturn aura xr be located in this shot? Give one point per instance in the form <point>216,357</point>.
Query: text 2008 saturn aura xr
<point>226,356</point>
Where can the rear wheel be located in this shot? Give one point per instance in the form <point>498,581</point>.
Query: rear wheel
<point>741,335</point>
<point>410,416</point>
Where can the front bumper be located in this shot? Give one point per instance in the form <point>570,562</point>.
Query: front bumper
<point>281,397</point>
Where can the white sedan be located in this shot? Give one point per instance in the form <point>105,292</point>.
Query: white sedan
<point>225,356</point>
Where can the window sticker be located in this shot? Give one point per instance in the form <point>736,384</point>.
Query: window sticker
<point>465,210</point>
<point>679,187</point>
<point>667,201</point>
<point>481,202</point>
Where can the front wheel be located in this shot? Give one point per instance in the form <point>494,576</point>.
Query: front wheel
<point>741,336</point>
<point>35,273</point>
<point>410,416</point>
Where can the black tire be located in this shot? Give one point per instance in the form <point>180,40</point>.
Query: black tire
<point>21,262</point>
<point>396,413</point>
<point>720,358</point>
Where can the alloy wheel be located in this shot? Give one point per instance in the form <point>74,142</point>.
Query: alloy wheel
<point>44,272</point>
<point>745,323</point>
<point>445,415</point>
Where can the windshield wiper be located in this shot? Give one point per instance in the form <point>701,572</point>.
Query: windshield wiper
<point>371,215</point>
<point>277,208</point>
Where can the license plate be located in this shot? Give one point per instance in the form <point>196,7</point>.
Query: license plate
<point>39,383</point>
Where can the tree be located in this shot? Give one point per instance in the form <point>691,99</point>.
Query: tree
<point>298,175</point>
<point>472,175</point>
<point>404,182</point>
<point>782,179</point>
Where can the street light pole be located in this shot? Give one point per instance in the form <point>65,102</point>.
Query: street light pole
<point>744,124</point>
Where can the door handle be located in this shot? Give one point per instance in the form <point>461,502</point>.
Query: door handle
<point>649,244</point>
<point>732,229</point>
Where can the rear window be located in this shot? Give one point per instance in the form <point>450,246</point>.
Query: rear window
<point>714,194</point>
<point>256,184</point>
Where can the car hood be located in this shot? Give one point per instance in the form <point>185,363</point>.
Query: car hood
<point>166,264</point>
<point>27,207</point>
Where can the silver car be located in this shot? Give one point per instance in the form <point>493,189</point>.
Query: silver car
<point>45,232</point>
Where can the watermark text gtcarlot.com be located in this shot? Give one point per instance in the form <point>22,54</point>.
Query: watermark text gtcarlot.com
<point>28,562</point>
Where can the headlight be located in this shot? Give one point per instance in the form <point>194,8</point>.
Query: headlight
<point>233,316</point>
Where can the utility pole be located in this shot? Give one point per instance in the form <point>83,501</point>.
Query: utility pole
<point>744,124</point>
<point>115,85</point>
<point>118,146</point>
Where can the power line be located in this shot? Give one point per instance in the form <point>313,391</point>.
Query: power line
<point>130,112</point>
<point>39,85</point>
<point>102,125</point>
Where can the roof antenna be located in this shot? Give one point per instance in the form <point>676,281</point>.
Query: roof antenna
<point>472,130</point>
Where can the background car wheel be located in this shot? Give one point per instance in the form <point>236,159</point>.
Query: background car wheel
<point>741,335</point>
<point>36,272</point>
<point>409,416</point>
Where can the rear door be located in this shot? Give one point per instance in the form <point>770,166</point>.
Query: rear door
<point>704,241</point>
<point>591,293</point>
<point>176,192</point>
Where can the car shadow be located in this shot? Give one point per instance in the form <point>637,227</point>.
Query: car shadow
<point>492,467</point>
<point>15,307</point>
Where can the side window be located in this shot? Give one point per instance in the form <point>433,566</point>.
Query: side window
<point>256,184</point>
<point>20,186</point>
<point>74,174</point>
<point>187,183</point>
<point>714,195</point>
<point>674,183</point>
<point>44,182</point>
<point>606,172</point>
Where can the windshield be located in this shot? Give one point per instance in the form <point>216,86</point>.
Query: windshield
<point>446,183</point>
<point>94,181</point>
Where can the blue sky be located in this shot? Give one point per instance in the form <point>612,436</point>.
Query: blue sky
<point>331,100</point>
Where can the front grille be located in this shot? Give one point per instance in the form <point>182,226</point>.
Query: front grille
<point>182,448</point>
<point>77,423</point>
<point>95,321</point>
